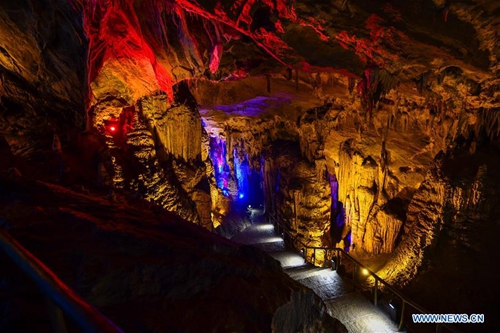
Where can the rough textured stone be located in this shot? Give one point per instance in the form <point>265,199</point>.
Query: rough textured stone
<point>143,267</point>
<point>376,97</point>
<point>291,317</point>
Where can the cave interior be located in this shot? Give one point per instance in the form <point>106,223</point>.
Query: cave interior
<point>140,139</point>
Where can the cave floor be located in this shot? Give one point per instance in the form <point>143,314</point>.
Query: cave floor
<point>353,309</point>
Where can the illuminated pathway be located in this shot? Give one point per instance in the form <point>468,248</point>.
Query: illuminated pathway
<point>354,310</point>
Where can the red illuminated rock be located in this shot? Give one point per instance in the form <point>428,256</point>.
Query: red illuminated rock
<point>374,98</point>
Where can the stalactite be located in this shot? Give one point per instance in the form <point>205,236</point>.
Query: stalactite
<point>140,171</point>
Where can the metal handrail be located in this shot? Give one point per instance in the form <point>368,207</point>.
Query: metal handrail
<point>377,278</point>
<point>87,317</point>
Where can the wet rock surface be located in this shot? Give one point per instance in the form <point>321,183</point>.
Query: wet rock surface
<point>391,110</point>
<point>144,268</point>
<point>453,222</point>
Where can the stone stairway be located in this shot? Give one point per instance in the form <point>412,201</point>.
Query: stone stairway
<point>354,310</point>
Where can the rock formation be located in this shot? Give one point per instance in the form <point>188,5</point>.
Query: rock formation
<point>144,268</point>
<point>372,126</point>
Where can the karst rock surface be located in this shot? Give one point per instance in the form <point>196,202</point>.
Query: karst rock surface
<point>370,125</point>
<point>145,268</point>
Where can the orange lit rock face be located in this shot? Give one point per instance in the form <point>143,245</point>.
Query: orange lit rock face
<point>392,202</point>
<point>138,49</point>
<point>134,254</point>
<point>127,74</point>
<point>301,196</point>
<point>380,90</point>
<point>42,80</point>
<point>121,62</point>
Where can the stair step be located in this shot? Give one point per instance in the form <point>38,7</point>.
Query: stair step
<point>288,259</point>
<point>355,311</point>
<point>276,246</point>
<point>303,272</point>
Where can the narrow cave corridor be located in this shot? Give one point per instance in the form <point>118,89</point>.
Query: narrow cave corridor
<point>249,166</point>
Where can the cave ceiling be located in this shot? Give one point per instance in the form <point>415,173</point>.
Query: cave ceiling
<point>159,43</point>
<point>261,64</point>
<point>136,48</point>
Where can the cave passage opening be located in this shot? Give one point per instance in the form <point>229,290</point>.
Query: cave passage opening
<point>242,182</point>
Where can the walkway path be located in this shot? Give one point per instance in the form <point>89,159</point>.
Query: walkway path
<point>354,310</point>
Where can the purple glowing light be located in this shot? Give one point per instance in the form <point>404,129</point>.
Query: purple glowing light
<point>242,171</point>
<point>347,242</point>
<point>218,156</point>
<point>253,107</point>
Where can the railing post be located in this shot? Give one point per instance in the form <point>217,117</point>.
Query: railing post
<point>337,254</point>
<point>401,321</point>
<point>334,260</point>
<point>314,257</point>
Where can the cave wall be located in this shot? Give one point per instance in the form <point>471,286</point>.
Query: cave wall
<point>301,197</point>
<point>449,245</point>
<point>42,77</point>
<point>144,268</point>
<point>455,202</point>
<point>388,87</point>
<point>366,166</point>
